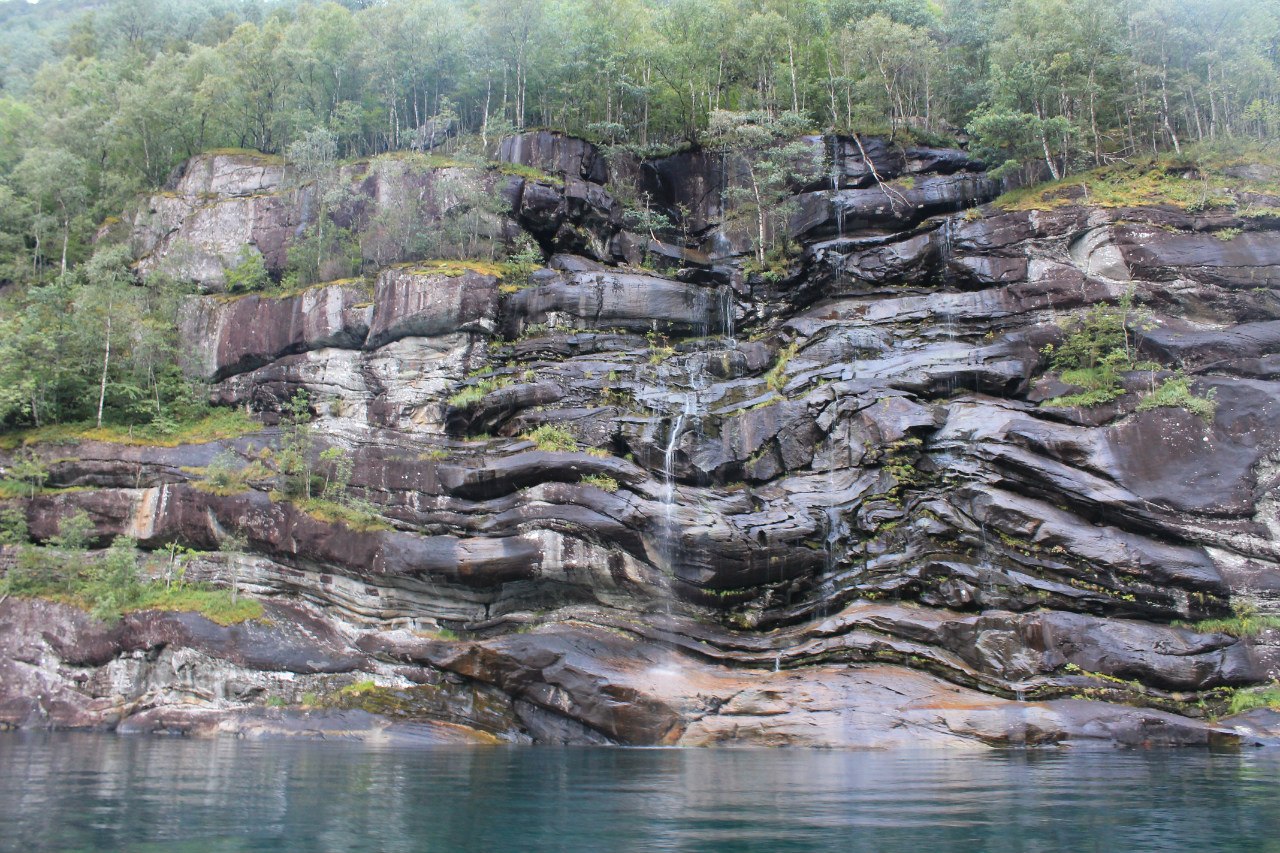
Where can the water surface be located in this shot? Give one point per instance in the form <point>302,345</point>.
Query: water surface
<point>66,792</point>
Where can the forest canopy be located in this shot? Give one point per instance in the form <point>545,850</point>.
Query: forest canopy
<point>99,100</point>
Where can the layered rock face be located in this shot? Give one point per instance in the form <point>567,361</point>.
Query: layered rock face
<point>829,505</point>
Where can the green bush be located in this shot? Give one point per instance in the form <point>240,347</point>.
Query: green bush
<point>110,583</point>
<point>13,525</point>
<point>1248,700</point>
<point>1097,349</point>
<point>249,273</point>
<point>473,394</point>
<point>551,438</point>
<point>75,532</point>
<point>600,481</point>
<point>1176,392</point>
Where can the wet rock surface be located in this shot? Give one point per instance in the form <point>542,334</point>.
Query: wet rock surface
<point>835,505</point>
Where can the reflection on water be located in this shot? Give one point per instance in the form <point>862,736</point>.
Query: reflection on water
<point>91,792</point>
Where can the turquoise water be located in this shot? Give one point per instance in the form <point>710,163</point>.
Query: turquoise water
<point>99,792</point>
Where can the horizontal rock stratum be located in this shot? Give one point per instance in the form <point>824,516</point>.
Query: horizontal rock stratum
<point>831,503</point>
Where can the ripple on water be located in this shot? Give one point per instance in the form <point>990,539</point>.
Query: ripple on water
<point>89,792</point>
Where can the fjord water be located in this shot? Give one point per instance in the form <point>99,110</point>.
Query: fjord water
<point>68,792</point>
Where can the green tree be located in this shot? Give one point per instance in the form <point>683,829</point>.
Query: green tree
<point>109,304</point>
<point>766,163</point>
<point>297,440</point>
<point>54,183</point>
<point>28,467</point>
<point>327,251</point>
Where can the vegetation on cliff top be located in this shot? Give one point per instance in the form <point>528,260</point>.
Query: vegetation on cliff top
<point>1203,177</point>
<point>100,100</point>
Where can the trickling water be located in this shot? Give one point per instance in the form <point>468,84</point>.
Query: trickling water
<point>670,534</point>
<point>836,206</point>
<point>831,561</point>
<point>834,524</point>
<point>673,439</point>
<point>777,662</point>
<point>945,248</point>
<point>948,319</point>
<point>726,316</point>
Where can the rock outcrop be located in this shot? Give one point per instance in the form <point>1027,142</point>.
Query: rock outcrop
<point>833,504</point>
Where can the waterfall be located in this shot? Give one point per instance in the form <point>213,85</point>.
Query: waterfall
<point>670,533</point>
<point>836,206</point>
<point>831,539</point>
<point>673,438</point>
<point>726,316</point>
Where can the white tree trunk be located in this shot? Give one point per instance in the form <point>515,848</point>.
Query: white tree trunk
<point>106,364</point>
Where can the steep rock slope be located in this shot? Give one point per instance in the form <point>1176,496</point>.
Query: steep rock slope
<point>830,504</point>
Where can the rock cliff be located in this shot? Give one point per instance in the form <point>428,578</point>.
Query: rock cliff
<point>836,502</point>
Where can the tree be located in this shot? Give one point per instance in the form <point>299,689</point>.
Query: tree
<point>109,302</point>
<point>888,69</point>
<point>326,249</point>
<point>296,445</point>
<point>337,478</point>
<point>765,164</point>
<point>28,467</point>
<point>1015,139</point>
<point>54,181</point>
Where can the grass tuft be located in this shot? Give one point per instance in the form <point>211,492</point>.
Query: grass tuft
<point>362,519</point>
<point>1240,625</point>
<point>1249,700</point>
<point>473,394</point>
<point>1195,181</point>
<point>1176,393</point>
<point>600,481</point>
<point>776,378</point>
<point>552,438</point>
<point>213,604</point>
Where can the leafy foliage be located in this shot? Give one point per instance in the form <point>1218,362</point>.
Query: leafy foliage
<point>1096,350</point>
<point>297,439</point>
<point>249,273</point>
<point>1248,700</point>
<point>101,101</point>
<point>552,438</point>
<point>600,481</point>
<point>1176,393</point>
<point>771,163</point>
<point>110,583</point>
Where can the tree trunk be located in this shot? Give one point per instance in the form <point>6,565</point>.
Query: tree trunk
<point>644,123</point>
<point>760,217</point>
<point>791,60</point>
<point>66,229</point>
<point>1093,119</point>
<point>1048,158</point>
<point>1164,103</point>
<point>831,90</point>
<point>106,365</point>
